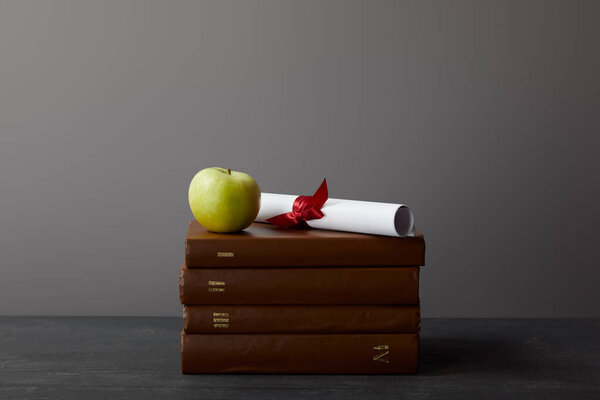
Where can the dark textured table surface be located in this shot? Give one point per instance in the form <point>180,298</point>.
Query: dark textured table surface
<point>109,358</point>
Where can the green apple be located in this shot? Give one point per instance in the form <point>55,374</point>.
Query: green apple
<point>223,200</point>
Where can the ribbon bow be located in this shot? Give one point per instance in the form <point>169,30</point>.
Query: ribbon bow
<point>305,208</point>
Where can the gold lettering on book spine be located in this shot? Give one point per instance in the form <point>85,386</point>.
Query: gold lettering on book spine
<point>227,254</point>
<point>216,286</point>
<point>220,320</point>
<point>220,314</point>
<point>380,357</point>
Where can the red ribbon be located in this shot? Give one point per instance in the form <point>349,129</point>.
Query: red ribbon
<point>305,208</point>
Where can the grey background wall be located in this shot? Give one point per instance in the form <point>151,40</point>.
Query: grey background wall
<point>483,116</point>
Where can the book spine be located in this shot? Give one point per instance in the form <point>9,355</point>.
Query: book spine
<point>305,252</point>
<point>300,354</point>
<point>326,286</point>
<point>300,319</point>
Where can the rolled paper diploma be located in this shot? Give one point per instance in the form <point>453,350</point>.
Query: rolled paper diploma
<point>346,215</point>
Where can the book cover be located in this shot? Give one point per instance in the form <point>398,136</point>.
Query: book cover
<point>264,245</point>
<point>300,353</point>
<point>326,286</point>
<point>300,319</point>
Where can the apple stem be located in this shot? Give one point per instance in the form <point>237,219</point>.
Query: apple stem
<point>229,171</point>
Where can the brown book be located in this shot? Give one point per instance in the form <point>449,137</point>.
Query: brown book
<point>300,319</point>
<point>300,353</point>
<point>265,245</point>
<point>331,286</point>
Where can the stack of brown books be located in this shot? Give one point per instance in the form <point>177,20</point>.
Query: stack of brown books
<point>273,300</point>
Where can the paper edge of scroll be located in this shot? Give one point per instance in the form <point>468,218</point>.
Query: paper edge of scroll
<point>404,221</point>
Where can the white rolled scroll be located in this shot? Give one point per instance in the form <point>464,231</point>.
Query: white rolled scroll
<point>346,215</point>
